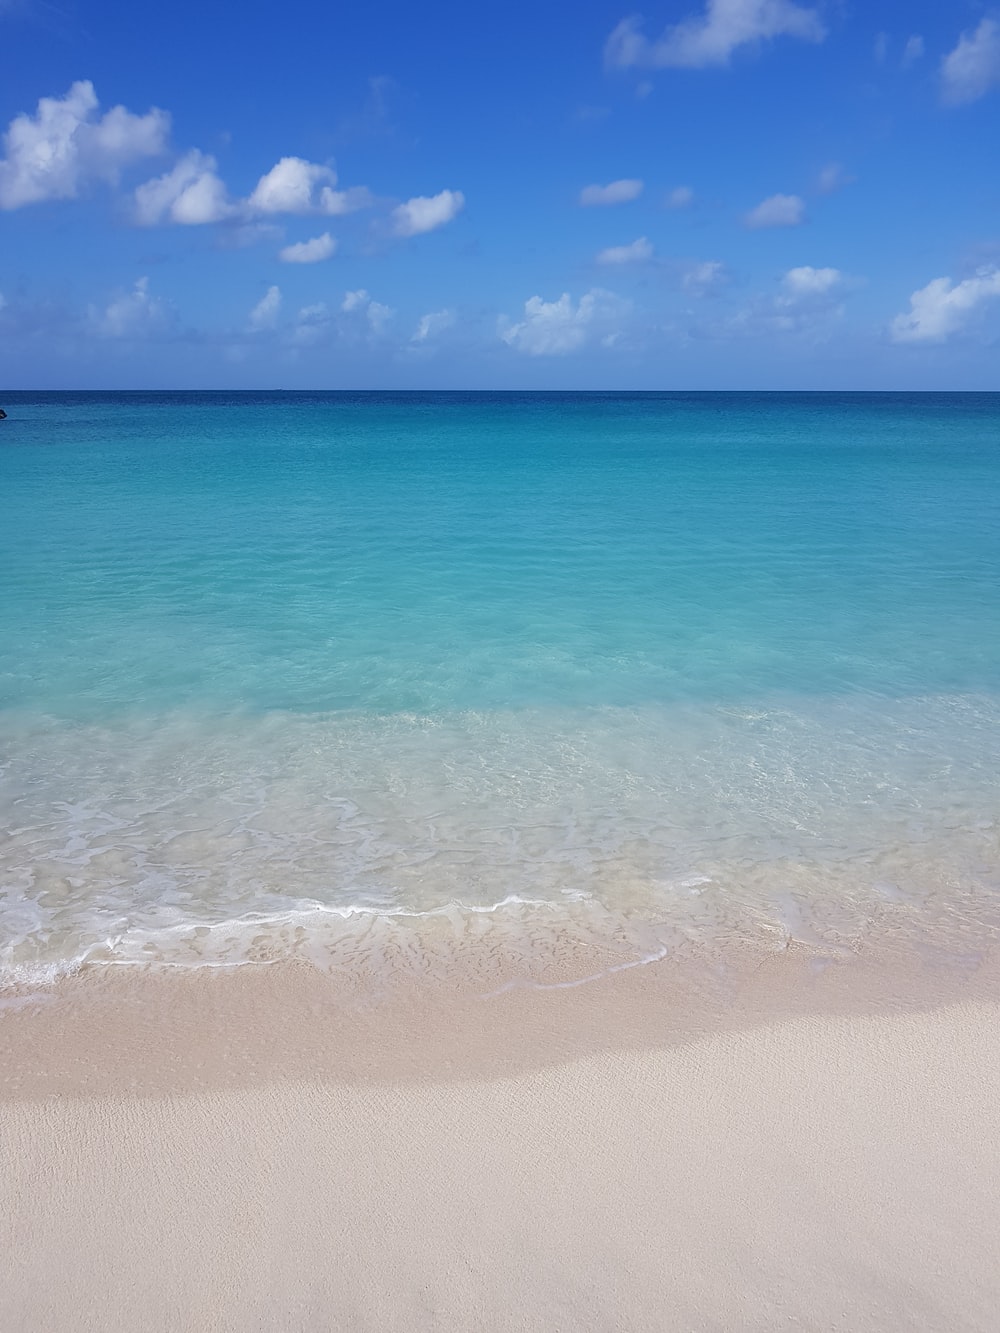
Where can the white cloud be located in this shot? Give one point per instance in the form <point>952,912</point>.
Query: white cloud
<point>190,194</point>
<point>312,325</point>
<point>804,282</point>
<point>432,324</point>
<point>54,153</point>
<point>969,71</point>
<point>780,210</point>
<point>291,186</point>
<point>134,314</point>
<point>360,304</point>
<point>309,252</point>
<point>555,328</point>
<point>618,192</point>
<point>943,308</point>
<point>638,252</point>
<point>423,214</point>
<point>294,185</point>
<point>807,304</point>
<point>264,315</point>
<point>704,277</point>
<point>682,196</point>
<point>912,51</point>
<point>378,316</point>
<point>712,37</point>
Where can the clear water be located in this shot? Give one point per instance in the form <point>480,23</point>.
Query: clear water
<point>293,672</point>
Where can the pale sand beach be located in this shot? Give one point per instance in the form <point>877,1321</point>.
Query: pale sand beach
<point>776,1141</point>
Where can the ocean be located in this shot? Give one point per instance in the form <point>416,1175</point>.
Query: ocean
<point>389,680</point>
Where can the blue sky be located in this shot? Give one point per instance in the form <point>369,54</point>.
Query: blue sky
<point>697,194</point>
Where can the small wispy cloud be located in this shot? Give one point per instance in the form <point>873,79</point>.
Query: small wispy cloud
<point>912,51</point>
<point>706,276</point>
<point>712,37</point>
<point>133,314</point>
<point>309,252</point>
<point>431,325</point>
<point>973,67</point>
<point>832,178</point>
<point>779,210</point>
<point>265,313</point>
<point>617,192</point>
<point>427,213</point>
<point>808,303</point>
<point>639,252</point>
<point>361,306</point>
<point>806,281</point>
<point>681,196</point>
<point>313,324</point>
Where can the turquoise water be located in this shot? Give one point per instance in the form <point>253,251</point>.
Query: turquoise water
<point>278,667</point>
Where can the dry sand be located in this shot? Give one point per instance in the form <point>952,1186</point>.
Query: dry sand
<point>781,1143</point>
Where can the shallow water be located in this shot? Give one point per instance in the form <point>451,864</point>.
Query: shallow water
<point>357,675</point>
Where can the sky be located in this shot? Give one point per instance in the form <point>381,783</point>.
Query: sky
<point>697,194</point>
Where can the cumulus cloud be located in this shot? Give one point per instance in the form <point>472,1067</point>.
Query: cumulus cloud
<point>682,196</point>
<point>971,70</point>
<point>133,314</point>
<point>779,210</point>
<point>804,282</point>
<point>943,307</point>
<point>296,186</point>
<point>374,313</point>
<point>426,214</point>
<point>556,328</point>
<point>264,315</point>
<point>190,194</point>
<point>711,38</point>
<point>309,252</point>
<point>429,326</point>
<point>618,192</point>
<point>66,144</point>
<point>639,252</point>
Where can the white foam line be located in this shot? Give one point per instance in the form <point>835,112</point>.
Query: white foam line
<point>520,983</point>
<point>19,975</point>
<point>296,915</point>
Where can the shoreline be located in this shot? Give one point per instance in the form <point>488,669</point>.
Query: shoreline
<point>161,1030</point>
<point>728,1142</point>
